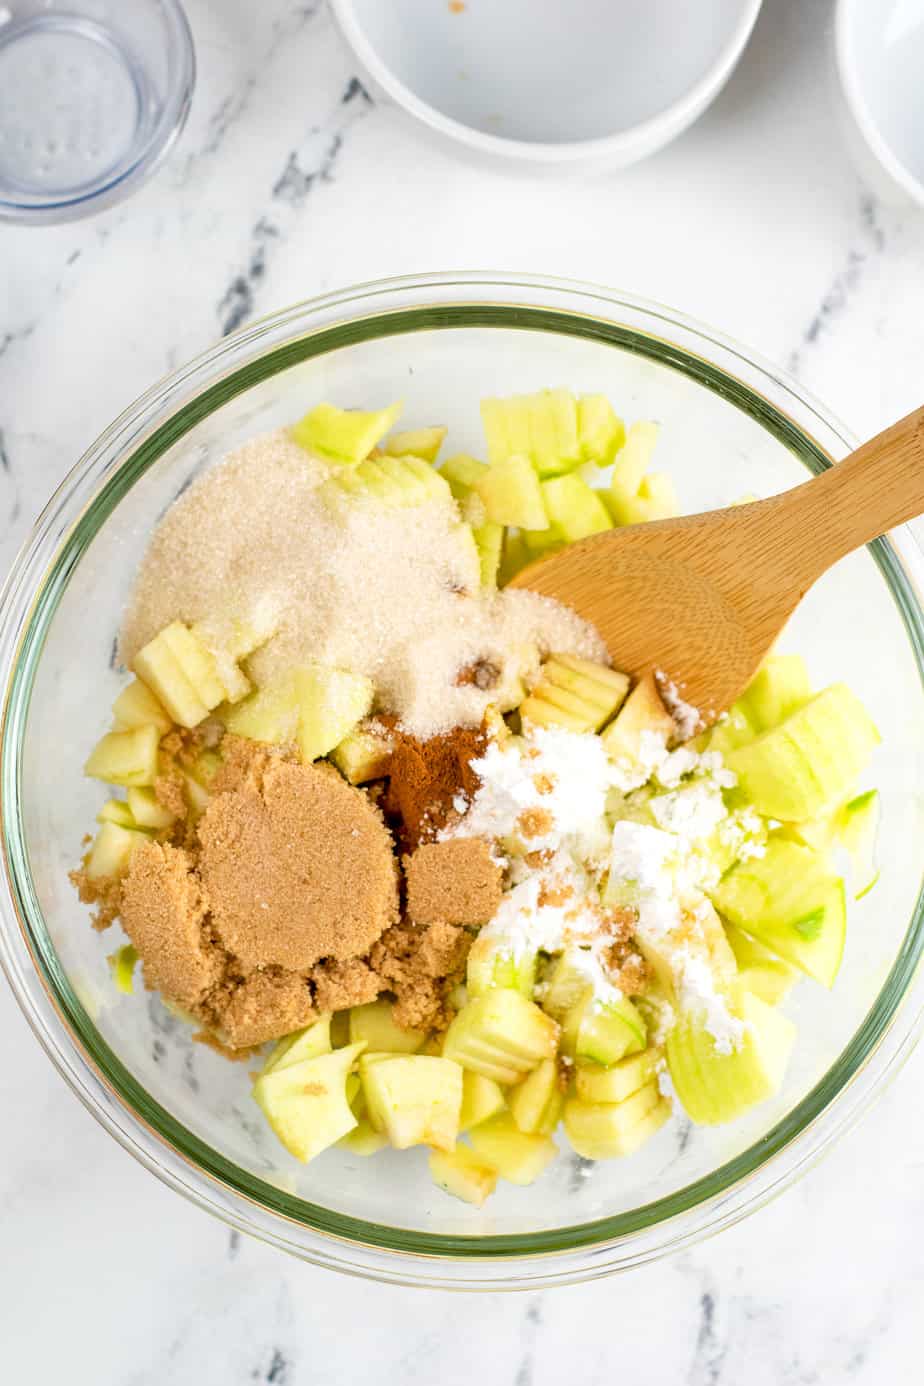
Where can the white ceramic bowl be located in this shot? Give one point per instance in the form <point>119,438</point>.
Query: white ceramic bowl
<point>550,81</point>
<point>879,51</point>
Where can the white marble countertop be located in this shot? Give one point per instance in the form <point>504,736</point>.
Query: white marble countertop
<point>287,181</point>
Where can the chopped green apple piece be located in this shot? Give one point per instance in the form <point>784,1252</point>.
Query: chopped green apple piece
<point>602,433</point>
<point>780,686</point>
<point>362,756</point>
<point>463,1174</point>
<point>554,447</point>
<point>463,474</point>
<point>314,706</point>
<point>605,1032</point>
<point>575,509</point>
<point>857,828</point>
<point>136,706</point>
<point>759,969</point>
<point>415,479</point>
<point>116,811</point>
<point>732,730</point>
<point>147,810</point>
<point>811,760</point>
<point>790,900</point>
<point>127,758</point>
<point>160,664</point>
<point>717,1083</point>
<point>306,1103</point>
<point>515,557</point>
<point>536,1103</point>
<point>490,965</point>
<point>309,1043</point>
<point>517,1157</point>
<point>607,1131</point>
<point>642,715</point>
<point>416,1099</point>
<point>416,442</point>
<point>363,1139</point>
<point>619,1081</point>
<point>112,850</point>
<point>567,983</point>
<point>501,1035</point>
<point>234,682</point>
<point>122,965</point>
<point>632,459</point>
<point>511,493</point>
<point>481,1098</point>
<point>344,435</point>
<point>489,540</point>
<point>575,693</point>
<point>375,1024</point>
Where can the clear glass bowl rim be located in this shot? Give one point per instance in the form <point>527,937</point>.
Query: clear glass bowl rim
<point>29,598</point>
<point>118,183</point>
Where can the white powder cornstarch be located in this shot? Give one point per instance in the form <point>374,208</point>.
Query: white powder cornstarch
<point>563,775</point>
<point>390,592</point>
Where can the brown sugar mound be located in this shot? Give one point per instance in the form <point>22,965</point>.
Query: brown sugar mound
<point>260,1007</point>
<point>427,776</point>
<point>455,882</point>
<point>164,914</point>
<point>421,966</point>
<point>298,870</point>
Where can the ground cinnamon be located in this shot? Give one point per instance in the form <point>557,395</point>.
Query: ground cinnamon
<point>426,777</point>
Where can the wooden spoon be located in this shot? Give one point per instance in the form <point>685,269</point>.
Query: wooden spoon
<point>701,600</point>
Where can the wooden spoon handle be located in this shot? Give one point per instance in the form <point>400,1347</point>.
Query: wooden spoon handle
<point>877,487</point>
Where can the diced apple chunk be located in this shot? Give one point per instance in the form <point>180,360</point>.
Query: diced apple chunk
<point>606,1131</point>
<point>492,966</point>
<point>362,756</point>
<point>116,811</point>
<point>621,1080</point>
<point>127,758</point>
<point>415,1099</point>
<point>642,713</point>
<point>111,852</point>
<point>601,432</point>
<point>306,1103</point>
<point>122,966</point>
<point>364,1139</point>
<point>512,495</point>
<point>136,706</point>
<point>536,1103</point>
<point>501,1035</point>
<point>344,435</point>
<point>575,510</point>
<point>165,665</point>
<point>416,442</point>
<point>481,1098</point>
<point>314,706</point>
<point>463,1174</point>
<point>605,1033</point>
<point>575,693</point>
<point>717,1083</point>
<point>147,810</point>
<point>309,1043</point>
<point>375,1025</point>
<point>517,1157</point>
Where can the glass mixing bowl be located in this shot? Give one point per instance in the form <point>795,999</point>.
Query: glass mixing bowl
<point>731,425</point>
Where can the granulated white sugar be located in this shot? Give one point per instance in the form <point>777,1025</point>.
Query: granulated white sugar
<point>392,593</point>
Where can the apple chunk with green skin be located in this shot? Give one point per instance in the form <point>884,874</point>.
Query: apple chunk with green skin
<point>315,706</point>
<point>790,900</point>
<point>306,1103</point>
<point>309,1043</point>
<point>416,1099</point>
<point>375,1025</point>
<point>344,435</point>
<point>501,1035</point>
<point>481,1098</point>
<point>607,1131</point>
<point>808,762</point>
<point>718,1083</point>
<point>463,1174</point>
<point>519,1158</point>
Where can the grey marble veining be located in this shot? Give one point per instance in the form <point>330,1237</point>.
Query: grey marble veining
<point>288,181</point>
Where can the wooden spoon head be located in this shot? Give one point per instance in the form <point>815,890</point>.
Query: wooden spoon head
<point>667,597</point>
